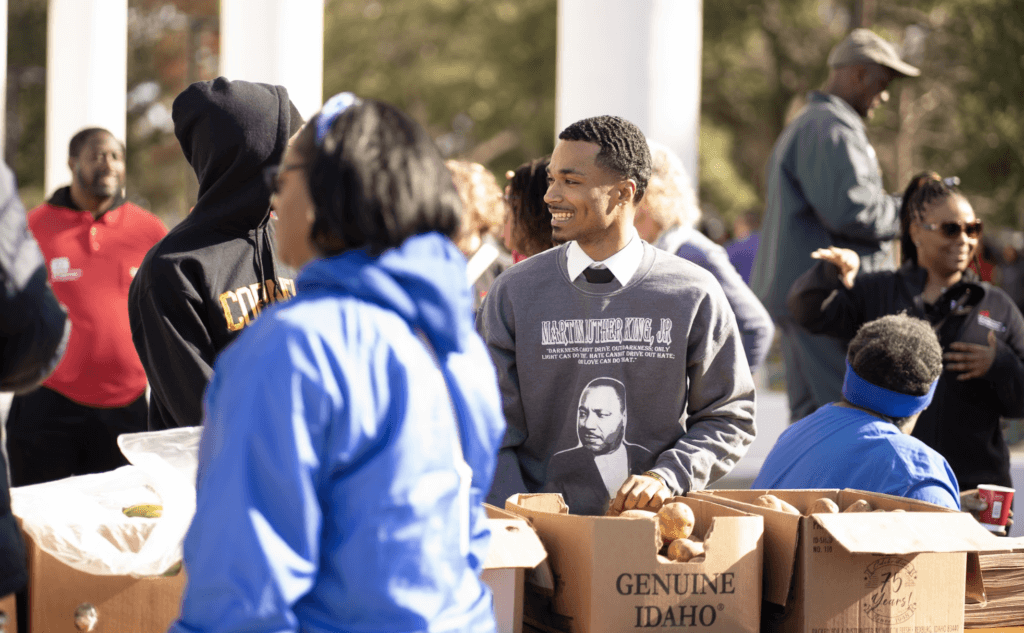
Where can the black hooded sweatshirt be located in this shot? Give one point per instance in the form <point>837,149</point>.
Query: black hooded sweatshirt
<point>214,272</point>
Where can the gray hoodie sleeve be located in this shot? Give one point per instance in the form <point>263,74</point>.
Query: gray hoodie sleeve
<point>719,420</point>
<point>34,328</point>
<point>496,324</point>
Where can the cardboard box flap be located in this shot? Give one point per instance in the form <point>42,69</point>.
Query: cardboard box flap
<point>781,535</point>
<point>541,502</point>
<point>513,544</point>
<point>908,532</point>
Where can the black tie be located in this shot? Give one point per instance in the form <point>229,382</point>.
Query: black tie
<point>598,275</point>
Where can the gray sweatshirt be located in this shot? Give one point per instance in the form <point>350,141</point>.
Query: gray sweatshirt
<point>660,359</point>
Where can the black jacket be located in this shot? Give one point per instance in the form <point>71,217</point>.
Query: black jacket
<point>213,273</point>
<point>34,332</point>
<point>576,476</point>
<point>962,422</point>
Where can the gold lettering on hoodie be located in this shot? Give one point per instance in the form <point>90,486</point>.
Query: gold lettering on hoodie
<point>242,305</point>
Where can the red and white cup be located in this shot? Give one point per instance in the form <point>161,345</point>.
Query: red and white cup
<point>998,498</point>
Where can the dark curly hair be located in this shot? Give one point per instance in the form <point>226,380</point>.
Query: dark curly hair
<point>623,147</point>
<point>897,352</point>
<point>375,180</point>
<point>531,219</point>
<point>925,188</point>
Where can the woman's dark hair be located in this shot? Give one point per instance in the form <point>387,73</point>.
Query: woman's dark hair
<point>897,352</point>
<point>924,189</point>
<point>531,219</point>
<point>376,179</point>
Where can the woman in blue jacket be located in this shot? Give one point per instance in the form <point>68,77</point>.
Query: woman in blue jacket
<point>351,432</point>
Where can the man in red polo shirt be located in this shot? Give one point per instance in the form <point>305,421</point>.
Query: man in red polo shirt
<point>93,242</point>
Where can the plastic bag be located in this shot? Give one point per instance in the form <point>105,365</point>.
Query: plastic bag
<point>79,520</point>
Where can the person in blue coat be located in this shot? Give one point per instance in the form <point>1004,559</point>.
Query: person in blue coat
<point>351,432</point>
<point>863,441</point>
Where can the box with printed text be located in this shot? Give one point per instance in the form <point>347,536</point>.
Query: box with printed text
<point>907,571</point>
<point>608,576</point>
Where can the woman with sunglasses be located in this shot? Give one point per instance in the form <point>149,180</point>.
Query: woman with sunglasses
<point>979,327</point>
<point>351,433</point>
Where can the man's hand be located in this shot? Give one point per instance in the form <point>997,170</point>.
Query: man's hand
<point>640,493</point>
<point>847,261</point>
<point>971,359</point>
<point>971,502</point>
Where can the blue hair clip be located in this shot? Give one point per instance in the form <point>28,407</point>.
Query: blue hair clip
<point>330,112</point>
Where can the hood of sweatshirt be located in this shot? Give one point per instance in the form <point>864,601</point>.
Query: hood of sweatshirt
<point>423,280</point>
<point>230,131</point>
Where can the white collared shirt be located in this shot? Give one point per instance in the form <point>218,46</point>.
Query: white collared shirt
<point>623,264</point>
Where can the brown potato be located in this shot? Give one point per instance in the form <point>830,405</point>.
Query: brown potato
<point>683,550</point>
<point>860,505</point>
<point>879,510</point>
<point>898,510</point>
<point>676,520</point>
<point>664,559</point>
<point>774,503</point>
<point>823,506</point>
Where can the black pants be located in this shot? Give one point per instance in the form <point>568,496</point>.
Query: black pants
<point>50,437</point>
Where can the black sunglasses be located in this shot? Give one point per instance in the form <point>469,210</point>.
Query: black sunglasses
<point>953,229</point>
<point>270,176</point>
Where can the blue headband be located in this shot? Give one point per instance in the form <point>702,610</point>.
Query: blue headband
<point>330,112</point>
<point>881,400</point>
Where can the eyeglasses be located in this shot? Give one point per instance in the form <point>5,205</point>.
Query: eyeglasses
<point>270,176</point>
<point>953,229</point>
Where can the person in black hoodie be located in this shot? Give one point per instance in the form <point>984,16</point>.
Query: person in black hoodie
<point>215,271</point>
<point>34,332</point>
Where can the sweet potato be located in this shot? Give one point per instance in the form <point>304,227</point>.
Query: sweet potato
<point>676,521</point>
<point>823,506</point>
<point>774,503</point>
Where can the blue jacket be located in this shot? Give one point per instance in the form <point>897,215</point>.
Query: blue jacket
<point>331,492</point>
<point>838,447</point>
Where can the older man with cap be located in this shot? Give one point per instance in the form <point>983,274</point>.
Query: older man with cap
<point>825,189</point>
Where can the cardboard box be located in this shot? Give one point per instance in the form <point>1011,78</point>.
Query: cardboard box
<point>515,548</point>
<point>608,579</point>
<point>122,603</point>
<point>883,572</point>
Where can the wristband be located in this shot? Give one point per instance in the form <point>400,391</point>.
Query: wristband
<point>656,476</point>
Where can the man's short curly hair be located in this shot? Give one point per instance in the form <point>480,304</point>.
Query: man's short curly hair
<point>623,147</point>
<point>898,352</point>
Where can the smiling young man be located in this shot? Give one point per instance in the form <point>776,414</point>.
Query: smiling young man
<point>93,241</point>
<point>607,305</point>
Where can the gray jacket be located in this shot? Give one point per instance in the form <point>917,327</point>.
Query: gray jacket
<point>667,336</point>
<point>824,188</point>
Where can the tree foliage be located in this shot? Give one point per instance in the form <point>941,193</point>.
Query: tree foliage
<point>961,117</point>
<point>480,76</point>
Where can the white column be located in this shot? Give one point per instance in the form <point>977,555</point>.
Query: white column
<point>86,76</point>
<point>3,76</point>
<point>278,42</point>
<point>640,60</point>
